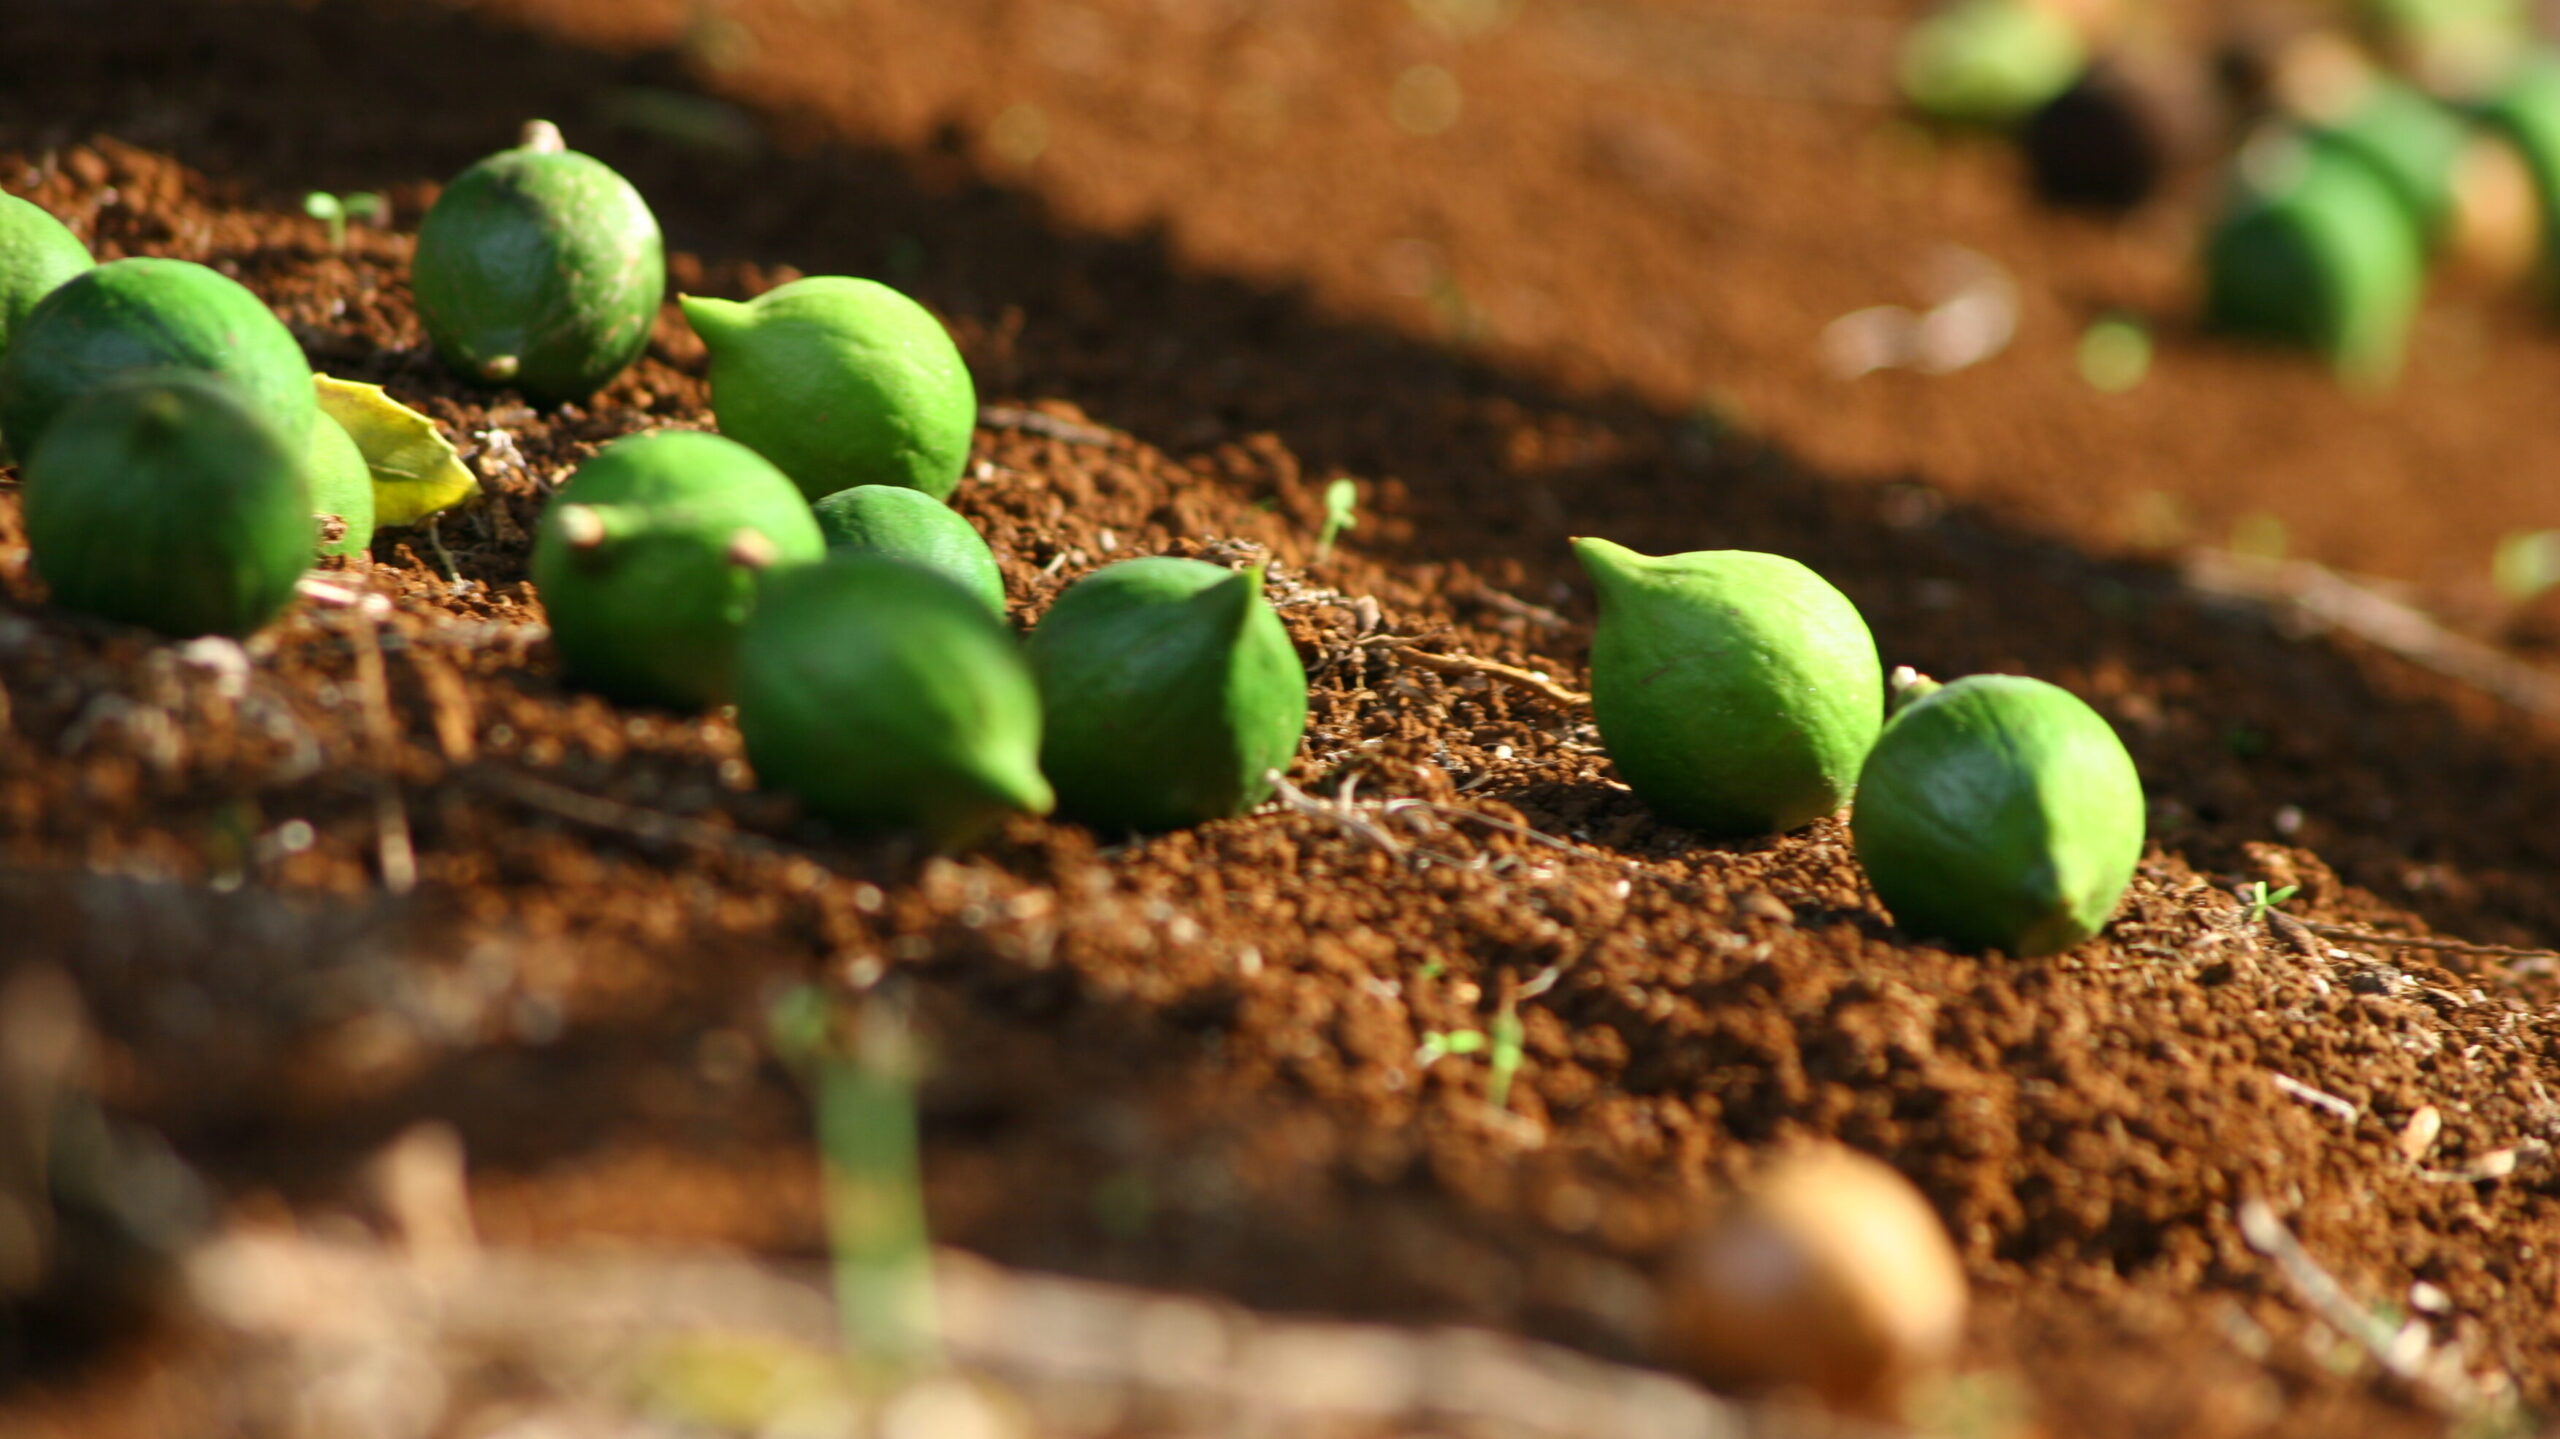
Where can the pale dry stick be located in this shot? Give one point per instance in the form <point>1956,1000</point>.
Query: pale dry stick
<point>398,852</point>
<point>2412,941</point>
<point>1530,680</point>
<point>2317,1098</point>
<point>2327,597</point>
<point>1522,831</point>
<point>1339,813</point>
<point>597,812</point>
<point>2329,1300</point>
<point>1033,422</point>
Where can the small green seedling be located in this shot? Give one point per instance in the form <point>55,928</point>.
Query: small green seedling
<point>1439,1044</point>
<point>1508,1051</point>
<point>861,1071</point>
<point>335,211</point>
<point>1341,512</point>
<point>2261,903</point>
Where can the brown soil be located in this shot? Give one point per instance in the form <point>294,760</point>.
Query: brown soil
<point>1589,307</point>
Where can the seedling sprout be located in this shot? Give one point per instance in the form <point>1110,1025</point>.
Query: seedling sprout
<point>2261,903</point>
<point>336,210</point>
<point>1341,512</point>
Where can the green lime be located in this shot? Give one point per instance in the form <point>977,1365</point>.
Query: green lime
<point>1989,62</point>
<point>541,268</point>
<point>162,498</point>
<point>648,562</point>
<point>1737,692</point>
<point>2315,249</point>
<point>911,525</point>
<point>884,695</point>
<point>145,314</point>
<point>341,488</point>
<point>1169,691</point>
<point>841,382</point>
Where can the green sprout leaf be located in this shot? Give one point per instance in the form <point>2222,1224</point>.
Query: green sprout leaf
<point>2261,903</point>
<point>1341,512</point>
<point>1507,1054</point>
<point>1439,1044</point>
<point>336,210</point>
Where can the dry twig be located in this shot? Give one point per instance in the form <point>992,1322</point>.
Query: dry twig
<point>2358,935</point>
<point>1033,422</point>
<point>399,855</point>
<point>1465,664</point>
<point>596,812</point>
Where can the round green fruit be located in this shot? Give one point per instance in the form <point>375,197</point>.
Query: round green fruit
<point>2412,143</point>
<point>2526,110</point>
<point>125,316</point>
<point>1737,692</point>
<point>911,525</point>
<point>1169,692</point>
<point>841,382</point>
<point>1989,62</point>
<point>162,499</point>
<point>648,562</point>
<point>1999,813</point>
<point>341,488</point>
<point>36,255</point>
<point>541,268</point>
<point>884,696</point>
<point>2315,249</point>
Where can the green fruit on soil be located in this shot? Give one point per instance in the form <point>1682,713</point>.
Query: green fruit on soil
<point>911,525</point>
<point>1737,692</point>
<point>1169,691</point>
<point>143,314</point>
<point>2316,250</point>
<point>2527,111</point>
<point>163,499</point>
<point>2412,143</point>
<point>648,562</point>
<point>341,488</point>
<point>841,382</point>
<point>1989,62</point>
<point>36,255</point>
<point>541,268</point>
<point>2000,813</point>
<point>885,696</point>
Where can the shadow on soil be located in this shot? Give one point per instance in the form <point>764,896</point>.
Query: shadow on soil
<point>2434,799</point>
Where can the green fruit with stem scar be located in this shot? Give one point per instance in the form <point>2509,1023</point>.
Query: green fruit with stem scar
<point>884,696</point>
<point>1999,812</point>
<point>144,314</point>
<point>37,254</point>
<point>648,563</point>
<point>164,499</point>
<point>539,267</point>
<point>1736,691</point>
<point>841,382</point>
<point>1171,692</point>
<point>911,525</point>
<point>341,488</point>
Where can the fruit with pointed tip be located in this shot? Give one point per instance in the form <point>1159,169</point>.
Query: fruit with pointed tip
<point>126,316</point>
<point>648,559</point>
<point>1736,692</point>
<point>163,498</point>
<point>539,267</point>
<point>911,525</point>
<point>841,382</point>
<point>1999,812</point>
<point>884,696</point>
<point>1170,691</point>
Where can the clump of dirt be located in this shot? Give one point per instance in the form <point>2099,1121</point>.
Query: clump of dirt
<point>381,865</point>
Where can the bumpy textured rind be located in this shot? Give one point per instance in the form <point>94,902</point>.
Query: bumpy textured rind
<point>2318,253</point>
<point>1737,692</point>
<point>164,500</point>
<point>341,486</point>
<point>540,269</point>
<point>651,615</point>
<point>132,315</point>
<point>1999,813</point>
<point>884,696</point>
<point>911,525</point>
<point>1169,690</point>
<point>841,382</point>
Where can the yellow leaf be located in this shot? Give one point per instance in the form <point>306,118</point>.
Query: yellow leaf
<point>415,470</point>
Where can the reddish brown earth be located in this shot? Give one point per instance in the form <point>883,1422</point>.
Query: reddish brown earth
<point>1590,306</point>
